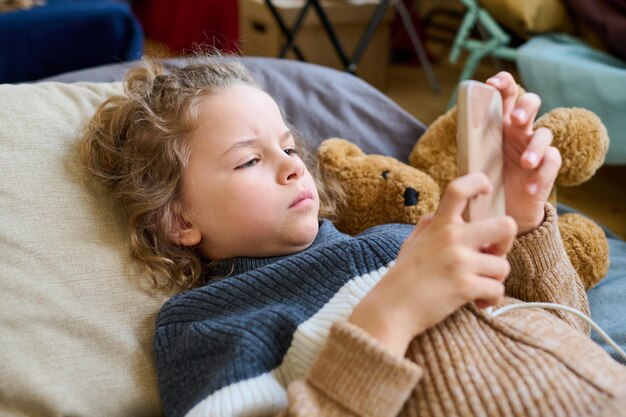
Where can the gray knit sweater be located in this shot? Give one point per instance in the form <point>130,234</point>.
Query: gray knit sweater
<point>272,338</point>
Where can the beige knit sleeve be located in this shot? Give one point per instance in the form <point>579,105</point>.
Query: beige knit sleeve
<point>542,272</point>
<point>353,376</point>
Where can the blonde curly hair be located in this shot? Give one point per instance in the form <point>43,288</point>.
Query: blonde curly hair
<point>137,145</point>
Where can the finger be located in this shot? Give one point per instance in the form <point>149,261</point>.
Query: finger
<point>525,111</point>
<point>458,193</point>
<point>491,266</point>
<point>536,149</point>
<point>505,83</point>
<point>497,234</point>
<point>545,175</point>
<point>487,291</point>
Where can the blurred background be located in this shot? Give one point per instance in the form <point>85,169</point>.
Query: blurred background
<point>414,51</point>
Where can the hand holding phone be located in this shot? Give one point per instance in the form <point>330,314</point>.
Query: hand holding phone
<point>479,144</point>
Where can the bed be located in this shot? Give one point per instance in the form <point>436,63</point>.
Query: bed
<point>76,315</point>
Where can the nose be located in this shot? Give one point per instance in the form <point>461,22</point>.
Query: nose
<point>291,169</point>
<point>411,197</point>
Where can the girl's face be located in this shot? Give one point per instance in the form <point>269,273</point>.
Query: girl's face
<point>246,192</point>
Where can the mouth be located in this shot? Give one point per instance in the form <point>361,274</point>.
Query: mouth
<point>302,199</point>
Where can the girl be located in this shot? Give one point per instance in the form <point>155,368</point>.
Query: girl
<point>287,316</point>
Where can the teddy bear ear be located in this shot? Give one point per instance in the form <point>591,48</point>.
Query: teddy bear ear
<point>335,150</point>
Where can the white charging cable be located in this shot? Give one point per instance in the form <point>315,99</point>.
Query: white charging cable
<point>551,306</point>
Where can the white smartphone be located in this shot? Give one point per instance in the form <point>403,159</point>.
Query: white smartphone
<point>479,144</point>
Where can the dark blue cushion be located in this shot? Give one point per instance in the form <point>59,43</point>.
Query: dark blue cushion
<point>66,35</point>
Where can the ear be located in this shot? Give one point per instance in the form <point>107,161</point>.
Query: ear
<point>335,151</point>
<point>183,232</point>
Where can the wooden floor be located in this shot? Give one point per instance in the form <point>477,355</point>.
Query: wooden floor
<point>603,198</point>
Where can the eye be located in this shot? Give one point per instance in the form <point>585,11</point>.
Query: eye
<point>291,151</point>
<point>385,174</point>
<point>248,164</point>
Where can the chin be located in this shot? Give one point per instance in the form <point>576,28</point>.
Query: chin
<point>305,233</point>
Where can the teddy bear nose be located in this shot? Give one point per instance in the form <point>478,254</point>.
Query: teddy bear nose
<point>411,197</point>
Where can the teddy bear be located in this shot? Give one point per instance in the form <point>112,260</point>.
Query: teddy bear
<point>378,189</point>
<point>381,189</point>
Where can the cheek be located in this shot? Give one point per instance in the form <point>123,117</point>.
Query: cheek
<point>248,198</point>
<point>246,194</point>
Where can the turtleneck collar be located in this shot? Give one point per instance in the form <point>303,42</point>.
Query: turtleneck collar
<point>327,233</point>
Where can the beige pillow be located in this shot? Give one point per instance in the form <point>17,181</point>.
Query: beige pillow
<point>76,316</point>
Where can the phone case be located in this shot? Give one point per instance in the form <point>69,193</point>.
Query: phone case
<point>479,144</point>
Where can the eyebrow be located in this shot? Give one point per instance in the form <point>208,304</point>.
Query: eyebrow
<point>250,142</point>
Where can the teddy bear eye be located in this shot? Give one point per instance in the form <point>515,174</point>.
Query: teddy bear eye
<point>385,174</point>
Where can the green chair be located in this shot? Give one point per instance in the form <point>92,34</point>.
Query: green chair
<point>495,42</point>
